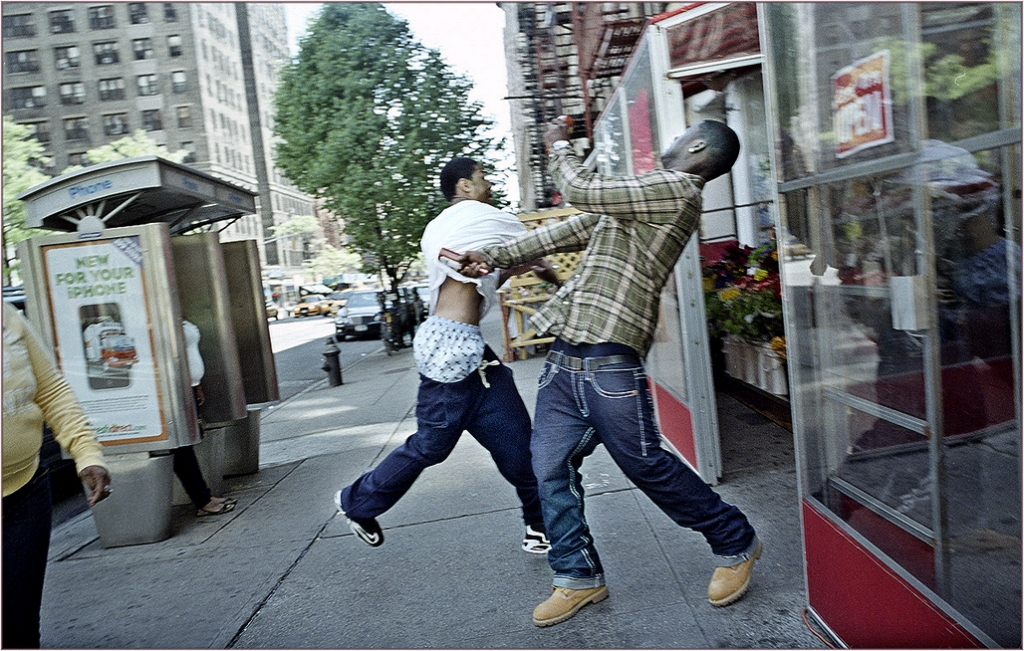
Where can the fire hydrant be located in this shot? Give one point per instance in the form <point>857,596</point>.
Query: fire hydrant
<point>331,362</point>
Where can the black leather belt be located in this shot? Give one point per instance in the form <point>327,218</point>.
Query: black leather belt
<point>593,363</point>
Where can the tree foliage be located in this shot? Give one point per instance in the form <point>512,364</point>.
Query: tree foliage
<point>365,119</point>
<point>22,153</point>
<point>137,144</point>
<point>330,261</point>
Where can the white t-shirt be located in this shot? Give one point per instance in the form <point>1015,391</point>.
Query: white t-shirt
<point>466,226</point>
<point>196,369</point>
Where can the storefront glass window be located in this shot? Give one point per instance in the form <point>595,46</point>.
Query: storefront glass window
<point>898,157</point>
<point>610,139</point>
<point>638,88</point>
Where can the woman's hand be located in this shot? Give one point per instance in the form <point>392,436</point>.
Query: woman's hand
<point>97,479</point>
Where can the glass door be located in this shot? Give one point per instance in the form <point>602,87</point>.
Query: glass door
<point>897,133</point>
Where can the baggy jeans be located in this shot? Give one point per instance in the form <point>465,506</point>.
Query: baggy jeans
<point>577,410</point>
<point>495,416</point>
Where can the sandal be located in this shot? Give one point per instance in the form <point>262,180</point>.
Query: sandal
<point>226,506</point>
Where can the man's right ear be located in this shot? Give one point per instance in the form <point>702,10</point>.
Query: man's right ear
<point>462,186</point>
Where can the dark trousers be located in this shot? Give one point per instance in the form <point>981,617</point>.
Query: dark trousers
<point>27,516</point>
<point>186,467</point>
<point>495,416</point>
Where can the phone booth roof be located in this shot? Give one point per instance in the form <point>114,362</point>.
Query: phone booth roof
<point>135,191</point>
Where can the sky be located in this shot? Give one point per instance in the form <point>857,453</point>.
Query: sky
<point>469,37</point>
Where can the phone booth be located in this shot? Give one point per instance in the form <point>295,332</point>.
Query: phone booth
<point>110,294</point>
<point>897,156</point>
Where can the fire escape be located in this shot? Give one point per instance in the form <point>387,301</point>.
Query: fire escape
<point>572,57</point>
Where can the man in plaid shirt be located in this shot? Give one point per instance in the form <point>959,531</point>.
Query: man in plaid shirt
<point>594,388</point>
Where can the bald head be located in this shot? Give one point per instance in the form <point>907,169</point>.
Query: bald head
<point>707,149</point>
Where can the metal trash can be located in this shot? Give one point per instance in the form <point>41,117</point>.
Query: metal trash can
<point>242,445</point>
<point>139,508</point>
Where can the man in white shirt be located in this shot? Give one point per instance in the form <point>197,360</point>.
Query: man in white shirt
<point>463,384</point>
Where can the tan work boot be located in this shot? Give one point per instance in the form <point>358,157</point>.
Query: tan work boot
<point>730,583</point>
<point>564,602</point>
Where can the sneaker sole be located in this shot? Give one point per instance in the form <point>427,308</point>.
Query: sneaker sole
<point>592,599</point>
<point>371,539</point>
<point>734,597</point>
<point>536,548</point>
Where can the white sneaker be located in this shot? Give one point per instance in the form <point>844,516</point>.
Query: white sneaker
<point>366,530</point>
<point>535,542</point>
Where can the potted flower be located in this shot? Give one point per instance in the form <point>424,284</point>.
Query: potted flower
<point>743,301</point>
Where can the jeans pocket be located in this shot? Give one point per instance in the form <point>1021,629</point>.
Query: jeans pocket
<point>547,375</point>
<point>615,383</point>
<point>431,404</point>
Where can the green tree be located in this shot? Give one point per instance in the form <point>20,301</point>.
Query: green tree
<point>21,157</point>
<point>330,261</point>
<point>365,118</point>
<point>137,144</point>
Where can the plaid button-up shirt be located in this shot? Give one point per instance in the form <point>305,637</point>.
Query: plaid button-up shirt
<point>633,229</point>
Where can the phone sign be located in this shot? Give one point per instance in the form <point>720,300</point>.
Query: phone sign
<point>862,105</point>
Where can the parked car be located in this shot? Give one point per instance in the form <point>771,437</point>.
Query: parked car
<point>309,305</point>
<point>335,301</point>
<point>272,311</point>
<point>361,316</point>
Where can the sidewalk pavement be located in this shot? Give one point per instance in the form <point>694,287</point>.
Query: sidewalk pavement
<point>284,571</point>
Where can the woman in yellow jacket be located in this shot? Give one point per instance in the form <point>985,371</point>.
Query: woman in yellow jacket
<point>34,391</point>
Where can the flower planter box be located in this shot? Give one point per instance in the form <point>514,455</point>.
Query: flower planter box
<point>756,364</point>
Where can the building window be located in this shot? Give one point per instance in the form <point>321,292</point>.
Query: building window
<point>190,147</point>
<point>39,130</point>
<point>111,89</point>
<point>147,85</point>
<point>22,61</point>
<point>137,14</point>
<point>72,93</point>
<point>66,57</point>
<point>78,158</point>
<point>102,17</point>
<point>174,45</point>
<point>178,82</point>
<point>184,117</point>
<point>151,120</point>
<point>115,124</point>
<point>19,25</point>
<point>62,22</point>
<point>170,13</point>
<point>143,48</point>
<point>106,53</point>
<point>76,129</point>
<point>28,97</point>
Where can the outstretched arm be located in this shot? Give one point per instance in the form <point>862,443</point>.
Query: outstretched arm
<point>544,269</point>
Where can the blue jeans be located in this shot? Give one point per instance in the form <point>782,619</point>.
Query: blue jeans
<point>495,416</point>
<point>577,410</point>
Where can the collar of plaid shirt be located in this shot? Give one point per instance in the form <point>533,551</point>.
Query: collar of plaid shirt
<point>632,231</point>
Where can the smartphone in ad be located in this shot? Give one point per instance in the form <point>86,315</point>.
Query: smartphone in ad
<point>109,350</point>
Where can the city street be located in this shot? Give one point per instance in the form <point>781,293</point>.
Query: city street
<point>298,343</point>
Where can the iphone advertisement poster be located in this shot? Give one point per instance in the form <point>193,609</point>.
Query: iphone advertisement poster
<point>104,348</point>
